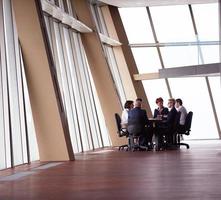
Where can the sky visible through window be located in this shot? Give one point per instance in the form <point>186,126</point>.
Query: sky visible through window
<point>173,24</point>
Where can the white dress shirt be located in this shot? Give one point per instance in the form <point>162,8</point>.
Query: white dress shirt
<point>183,115</point>
<point>124,118</point>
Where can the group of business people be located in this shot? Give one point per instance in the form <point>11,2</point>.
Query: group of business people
<point>136,122</point>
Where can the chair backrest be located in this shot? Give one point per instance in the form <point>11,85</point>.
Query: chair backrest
<point>120,131</point>
<point>118,121</point>
<point>188,121</point>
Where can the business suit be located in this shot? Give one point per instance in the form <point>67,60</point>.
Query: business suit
<point>171,117</point>
<point>164,111</point>
<point>165,128</point>
<point>138,124</point>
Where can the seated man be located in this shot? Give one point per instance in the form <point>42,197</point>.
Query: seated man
<point>165,128</point>
<point>180,108</point>
<point>138,124</point>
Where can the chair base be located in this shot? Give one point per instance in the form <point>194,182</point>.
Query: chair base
<point>138,148</point>
<point>184,144</point>
<point>123,146</point>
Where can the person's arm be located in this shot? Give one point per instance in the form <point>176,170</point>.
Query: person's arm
<point>155,113</point>
<point>124,117</point>
<point>146,120</point>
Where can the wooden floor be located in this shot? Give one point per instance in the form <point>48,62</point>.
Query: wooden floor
<point>110,174</point>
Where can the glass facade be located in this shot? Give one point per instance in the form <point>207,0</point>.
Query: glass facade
<point>16,124</point>
<point>109,53</point>
<point>80,101</point>
<point>184,35</point>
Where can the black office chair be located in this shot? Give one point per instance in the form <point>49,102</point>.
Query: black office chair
<point>186,130</point>
<point>120,131</point>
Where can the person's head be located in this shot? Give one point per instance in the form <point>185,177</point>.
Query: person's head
<point>159,102</point>
<point>139,99</point>
<point>129,104</point>
<point>138,104</point>
<point>179,103</point>
<point>171,103</point>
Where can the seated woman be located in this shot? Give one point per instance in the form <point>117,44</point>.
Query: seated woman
<point>124,117</point>
<point>161,111</point>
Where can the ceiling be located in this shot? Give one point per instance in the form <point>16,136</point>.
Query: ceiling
<point>143,3</point>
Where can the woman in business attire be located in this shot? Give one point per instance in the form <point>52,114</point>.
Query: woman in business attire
<point>161,111</point>
<point>124,117</point>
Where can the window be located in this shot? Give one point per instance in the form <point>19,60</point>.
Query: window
<point>179,46</point>
<point>197,100</point>
<point>155,89</point>
<point>147,59</point>
<point>172,23</point>
<point>206,17</point>
<point>136,24</point>
<point>76,85</point>
<point>15,132</point>
<point>109,53</point>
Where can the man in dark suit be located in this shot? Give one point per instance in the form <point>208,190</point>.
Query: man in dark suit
<point>166,127</point>
<point>138,124</point>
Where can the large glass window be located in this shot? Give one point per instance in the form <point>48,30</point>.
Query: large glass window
<point>155,89</point>
<point>197,100</point>
<point>210,54</point>
<point>215,84</point>
<point>207,21</point>
<point>76,85</point>
<point>179,46</point>
<point>179,56</point>
<point>172,23</point>
<point>151,63</point>
<point>109,53</point>
<point>17,136</point>
<point>137,25</point>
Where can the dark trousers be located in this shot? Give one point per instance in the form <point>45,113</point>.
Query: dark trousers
<point>145,136</point>
<point>163,136</point>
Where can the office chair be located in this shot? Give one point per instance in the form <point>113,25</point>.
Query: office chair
<point>186,130</point>
<point>120,131</point>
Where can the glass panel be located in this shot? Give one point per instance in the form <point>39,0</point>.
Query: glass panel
<point>61,70</point>
<point>12,100</point>
<point>147,59</point>
<point>173,23</point>
<point>210,54</point>
<point>75,84</point>
<point>33,147</point>
<point>215,84</point>
<point>93,117</point>
<point>105,139</point>
<point>155,89</point>
<point>176,56</point>
<point>13,85</point>
<point>207,21</point>
<point>136,24</point>
<point>115,73</point>
<point>203,123</point>
<point>2,128</point>
<point>84,121</point>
